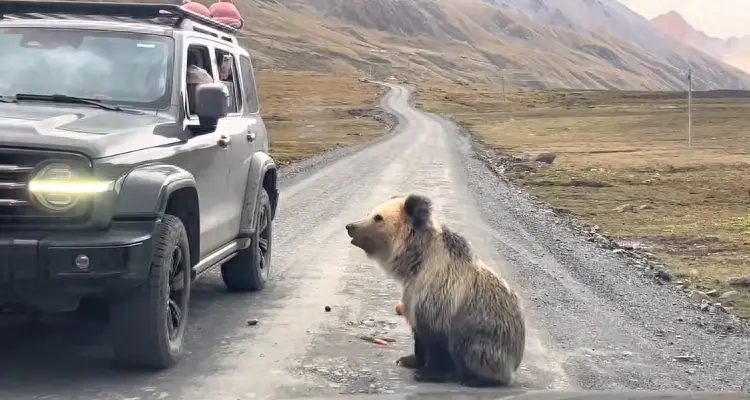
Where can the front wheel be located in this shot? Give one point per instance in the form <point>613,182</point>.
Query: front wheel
<point>249,269</point>
<point>148,325</point>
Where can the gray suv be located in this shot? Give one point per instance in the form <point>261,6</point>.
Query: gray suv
<point>120,179</point>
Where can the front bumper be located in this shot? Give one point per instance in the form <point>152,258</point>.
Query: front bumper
<point>118,259</point>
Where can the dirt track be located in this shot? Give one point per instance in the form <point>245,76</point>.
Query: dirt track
<point>593,322</point>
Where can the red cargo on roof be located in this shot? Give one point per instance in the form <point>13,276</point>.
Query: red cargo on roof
<point>225,12</point>
<point>196,8</point>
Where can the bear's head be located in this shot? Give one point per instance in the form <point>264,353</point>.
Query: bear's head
<point>387,229</point>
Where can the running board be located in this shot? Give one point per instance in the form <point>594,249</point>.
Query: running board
<point>220,256</point>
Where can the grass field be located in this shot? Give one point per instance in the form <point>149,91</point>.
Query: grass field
<point>307,113</point>
<point>623,164</point>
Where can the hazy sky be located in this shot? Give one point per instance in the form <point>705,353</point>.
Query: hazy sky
<point>719,18</point>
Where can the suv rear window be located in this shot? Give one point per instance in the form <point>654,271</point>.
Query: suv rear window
<point>115,67</point>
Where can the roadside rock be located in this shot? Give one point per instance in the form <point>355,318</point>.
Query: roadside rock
<point>547,158</point>
<point>588,183</point>
<point>520,167</point>
<point>730,295</point>
<point>664,274</point>
<point>626,207</point>
<point>696,296</point>
<point>741,281</point>
<point>720,307</point>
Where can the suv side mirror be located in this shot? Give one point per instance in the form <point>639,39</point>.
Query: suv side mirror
<point>211,104</point>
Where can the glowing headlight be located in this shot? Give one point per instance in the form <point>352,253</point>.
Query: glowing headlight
<point>56,188</point>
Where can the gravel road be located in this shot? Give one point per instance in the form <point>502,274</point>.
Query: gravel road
<point>594,323</point>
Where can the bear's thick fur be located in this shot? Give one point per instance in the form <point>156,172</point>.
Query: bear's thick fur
<point>467,322</point>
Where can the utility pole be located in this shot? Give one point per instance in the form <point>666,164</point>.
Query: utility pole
<point>690,107</point>
<point>503,82</point>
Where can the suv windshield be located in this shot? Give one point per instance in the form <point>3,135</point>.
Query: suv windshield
<point>115,67</point>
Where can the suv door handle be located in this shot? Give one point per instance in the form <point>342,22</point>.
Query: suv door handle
<point>224,141</point>
<point>250,135</point>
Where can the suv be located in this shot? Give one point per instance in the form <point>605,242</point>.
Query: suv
<point>119,181</point>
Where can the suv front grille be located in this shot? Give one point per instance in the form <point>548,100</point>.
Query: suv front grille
<point>16,170</point>
<point>13,182</point>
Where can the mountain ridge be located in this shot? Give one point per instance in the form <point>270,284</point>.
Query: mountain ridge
<point>734,51</point>
<point>474,40</point>
<point>577,44</point>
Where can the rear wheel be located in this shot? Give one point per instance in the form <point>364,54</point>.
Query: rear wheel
<point>148,325</point>
<point>249,269</point>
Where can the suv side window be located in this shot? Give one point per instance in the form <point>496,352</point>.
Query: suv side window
<point>227,64</point>
<point>248,82</point>
<point>200,57</point>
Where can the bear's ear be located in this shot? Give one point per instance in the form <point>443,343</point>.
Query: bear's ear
<point>418,208</point>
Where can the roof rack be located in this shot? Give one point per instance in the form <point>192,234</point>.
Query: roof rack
<point>165,13</point>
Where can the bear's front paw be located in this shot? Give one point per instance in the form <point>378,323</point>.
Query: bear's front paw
<point>409,361</point>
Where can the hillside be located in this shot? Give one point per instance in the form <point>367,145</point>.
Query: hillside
<point>733,51</point>
<point>472,40</point>
<point>593,44</point>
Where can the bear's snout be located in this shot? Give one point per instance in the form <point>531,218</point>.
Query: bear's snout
<point>350,228</point>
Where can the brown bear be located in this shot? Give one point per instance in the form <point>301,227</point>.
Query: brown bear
<point>467,322</point>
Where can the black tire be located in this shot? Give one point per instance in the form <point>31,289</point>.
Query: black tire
<point>143,329</point>
<point>249,269</point>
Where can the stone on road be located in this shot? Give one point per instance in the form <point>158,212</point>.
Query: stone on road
<point>592,320</point>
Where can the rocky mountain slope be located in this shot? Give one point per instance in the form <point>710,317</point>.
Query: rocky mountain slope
<point>733,51</point>
<point>594,44</point>
<point>522,42</point>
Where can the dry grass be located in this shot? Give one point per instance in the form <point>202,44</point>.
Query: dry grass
<point>307,113</point>
<point>616,149</point>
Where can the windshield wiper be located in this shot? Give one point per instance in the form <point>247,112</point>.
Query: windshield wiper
<point>63,98</point>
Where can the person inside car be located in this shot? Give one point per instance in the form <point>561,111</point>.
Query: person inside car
<point>195,76</point>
